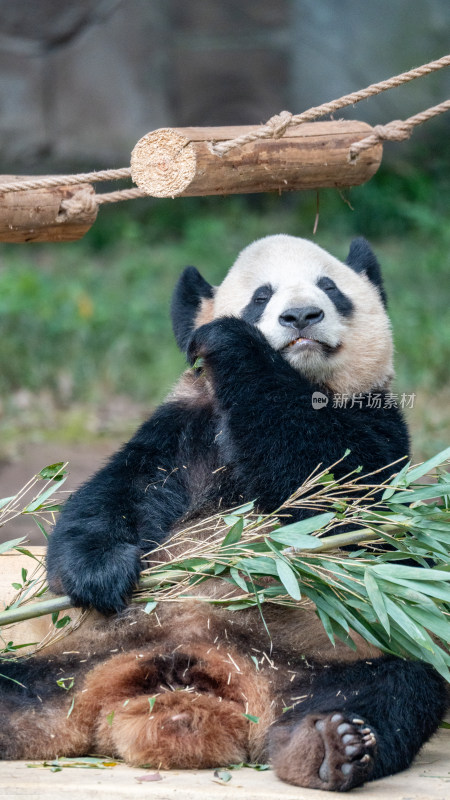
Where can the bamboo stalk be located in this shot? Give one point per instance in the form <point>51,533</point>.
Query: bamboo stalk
<point>62,603</point>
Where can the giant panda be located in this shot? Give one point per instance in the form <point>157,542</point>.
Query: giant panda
<point>196,685</point>
<point>287,321</point>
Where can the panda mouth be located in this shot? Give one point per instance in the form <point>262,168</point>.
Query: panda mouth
<point>305,343</point>
<point>302,340</point>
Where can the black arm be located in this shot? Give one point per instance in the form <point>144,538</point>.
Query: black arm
<point>126,509</point>
<point>274,436</point>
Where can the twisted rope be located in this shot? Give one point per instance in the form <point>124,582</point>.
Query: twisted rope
<point>88,202</point>
<point>67,180</point>
<point>121,194</point>
<point>275,128</point>
<point>396,131</point>
<point>287,120</point>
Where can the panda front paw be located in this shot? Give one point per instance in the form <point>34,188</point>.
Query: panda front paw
<point>92,576</point>
<point>224,337</point>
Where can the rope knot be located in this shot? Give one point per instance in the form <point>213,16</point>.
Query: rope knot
<point>278,124</point>
<point>396,131</point>
<point>82,202</point>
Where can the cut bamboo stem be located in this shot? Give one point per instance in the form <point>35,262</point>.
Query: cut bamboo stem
<point>42,607</point>
<point>170,162</point>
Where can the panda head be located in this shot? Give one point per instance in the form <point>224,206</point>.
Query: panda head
<point>326,318</point>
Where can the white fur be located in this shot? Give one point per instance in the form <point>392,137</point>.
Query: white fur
<point>292,266</point>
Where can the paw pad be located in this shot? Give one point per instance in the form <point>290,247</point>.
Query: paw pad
<point>350,748</point>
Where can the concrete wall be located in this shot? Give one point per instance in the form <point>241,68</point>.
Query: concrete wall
<point>82,80</point>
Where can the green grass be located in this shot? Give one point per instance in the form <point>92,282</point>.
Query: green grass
<point>84,321</point>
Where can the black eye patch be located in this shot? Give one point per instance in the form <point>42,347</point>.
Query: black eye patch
<point>342,303</point>
<point>253,311</point>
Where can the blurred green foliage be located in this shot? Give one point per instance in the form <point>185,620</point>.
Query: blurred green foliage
<point>90,319</point>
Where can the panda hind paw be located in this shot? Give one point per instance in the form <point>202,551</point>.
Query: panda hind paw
<point>333,752</point>
<point>350,747</point>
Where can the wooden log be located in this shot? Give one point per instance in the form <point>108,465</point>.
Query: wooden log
<point>170,162</point>
<point>58,214</point>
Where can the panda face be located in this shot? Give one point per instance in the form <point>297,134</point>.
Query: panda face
<point>324,317</point>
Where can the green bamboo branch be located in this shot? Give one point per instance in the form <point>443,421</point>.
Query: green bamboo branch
<point>62,603</point>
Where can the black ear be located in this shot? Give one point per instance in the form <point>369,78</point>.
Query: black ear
<point>186,299</point>
<point>362,259</point>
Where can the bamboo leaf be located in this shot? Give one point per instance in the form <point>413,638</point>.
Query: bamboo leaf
<point>425,493</point>
<point>408,593</point>
<point>396,481</point>
<point>438,625</point>
<point>234,534</point>
<point>246,509</point>
<point>41,527</point>
<point>342,634</point>
<point>54,471</point>
<point>40,499</point>
<point>238,579</point>
<point>394,571</point>
<point>362,627</point>
<point>405,622</point>
<point>434,654</point>
<point>230,519</point>
<point>427,466</point>
<point>377,600</point>
<point>329,607</point>
<point>250,602</point>
<point>288,578</point>
<point>5,500</point>
<point>5,546</point>
<point>326,622</point>
<point>438,590</point>
<point>297,533</point>
<point>260,565</point>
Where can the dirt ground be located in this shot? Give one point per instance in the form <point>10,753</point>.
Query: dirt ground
<point>84,460</point>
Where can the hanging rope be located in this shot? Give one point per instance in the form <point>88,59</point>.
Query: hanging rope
<point>67,180</point>
<point>275,128</point>
<point>277,125</point>
<point>398,130</point>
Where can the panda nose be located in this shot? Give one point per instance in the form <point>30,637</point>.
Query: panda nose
<point>301,317</point>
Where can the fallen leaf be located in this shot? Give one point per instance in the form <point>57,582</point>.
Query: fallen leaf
<point>222,776</point>
<point>152,776</point>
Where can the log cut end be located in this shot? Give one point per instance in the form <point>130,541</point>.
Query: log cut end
<point>163,163</point>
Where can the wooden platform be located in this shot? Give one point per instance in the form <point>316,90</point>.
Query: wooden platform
<point>428,779</point>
